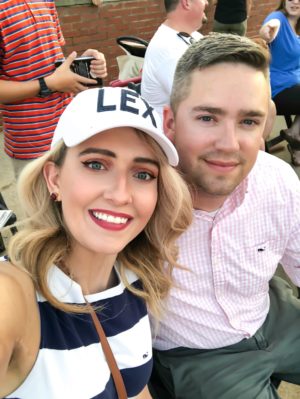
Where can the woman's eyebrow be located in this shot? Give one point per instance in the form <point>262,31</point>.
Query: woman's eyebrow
<point>103,151</point>
<point>146,160</point>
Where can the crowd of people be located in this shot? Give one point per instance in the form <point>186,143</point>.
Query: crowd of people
<point>153,224</point>
<point>281,30</point>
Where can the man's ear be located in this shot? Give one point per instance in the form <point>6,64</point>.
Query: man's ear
<point>51,175</point>
<point>185,4</point>
<point>169,123</point>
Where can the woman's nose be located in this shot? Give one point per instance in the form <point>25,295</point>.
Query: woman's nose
<point>119,191</point>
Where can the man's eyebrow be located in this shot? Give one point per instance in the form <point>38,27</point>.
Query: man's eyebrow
<point>103,151</point>
<point>220,111</point>
<point>209,109</point>
<point>252,113</point>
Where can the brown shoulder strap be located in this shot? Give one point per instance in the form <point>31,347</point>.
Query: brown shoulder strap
<point>117,377</point>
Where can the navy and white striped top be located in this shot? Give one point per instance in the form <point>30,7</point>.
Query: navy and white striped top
<point>71,363</point>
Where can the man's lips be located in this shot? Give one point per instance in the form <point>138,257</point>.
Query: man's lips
<point>223,166</point>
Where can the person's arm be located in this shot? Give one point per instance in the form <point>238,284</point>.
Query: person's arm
<point>145,394</point>
<point>11,91</point>
<point>248,6</point>
<point>12,315</point>
<point>269,30</point>
<point>61,80</point>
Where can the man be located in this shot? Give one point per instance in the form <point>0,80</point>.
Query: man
<point>32,93</point>
<point>224,334</point>
<point>231,16</point>
<point>184,18</point>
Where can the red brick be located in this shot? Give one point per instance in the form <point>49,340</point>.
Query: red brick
<point>87,26</point>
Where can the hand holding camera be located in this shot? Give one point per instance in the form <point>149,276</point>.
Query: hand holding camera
<point>76,74</point>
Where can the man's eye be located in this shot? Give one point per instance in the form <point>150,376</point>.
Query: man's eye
<point>144,175</point>
<point>205,118</point>
<point>249,122</point>
<point>96,165</point>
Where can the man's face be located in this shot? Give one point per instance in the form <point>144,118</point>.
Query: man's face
<point>198,13</point>
<point>218,129</point>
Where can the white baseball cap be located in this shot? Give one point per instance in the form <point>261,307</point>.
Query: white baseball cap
<point>95,110</point>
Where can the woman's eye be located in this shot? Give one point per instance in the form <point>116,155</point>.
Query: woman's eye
<point>95,165</point>
<point>144,175</point>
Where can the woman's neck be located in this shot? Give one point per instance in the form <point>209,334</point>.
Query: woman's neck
<point>94,273</point>
<point>293,21</point>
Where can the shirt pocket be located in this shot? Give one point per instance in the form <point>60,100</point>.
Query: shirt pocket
<point>258,264</point>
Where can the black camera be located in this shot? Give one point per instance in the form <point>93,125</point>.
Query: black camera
<point>81,66</point>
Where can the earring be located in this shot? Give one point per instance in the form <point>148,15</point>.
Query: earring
<point>53,196</point>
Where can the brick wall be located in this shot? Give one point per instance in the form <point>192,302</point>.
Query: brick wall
<point>87,26</point>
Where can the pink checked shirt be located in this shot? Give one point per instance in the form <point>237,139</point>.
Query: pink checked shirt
<point>223,296</point>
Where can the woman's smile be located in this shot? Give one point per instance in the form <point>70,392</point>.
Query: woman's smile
<point>110,220</point>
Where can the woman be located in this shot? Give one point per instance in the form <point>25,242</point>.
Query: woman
<point>104,210</point>
<point>281,29</point>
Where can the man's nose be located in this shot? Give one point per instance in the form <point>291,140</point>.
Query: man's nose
<point>227,139</point>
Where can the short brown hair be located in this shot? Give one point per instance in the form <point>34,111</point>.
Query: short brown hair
<point>170,5</point>
<point>213,49</point>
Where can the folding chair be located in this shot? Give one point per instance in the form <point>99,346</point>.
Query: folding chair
<point>278,139</point>
<point>133,45</point>
<point>7,218</point>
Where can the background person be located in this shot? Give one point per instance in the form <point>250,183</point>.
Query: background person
<point>231,16</point>
<point>228,326</point>
<point>32,93</point>
<point>184,18</point>
<point>104,210</point>
<point>281,30</point>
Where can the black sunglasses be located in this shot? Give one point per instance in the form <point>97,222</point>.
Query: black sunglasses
<point>188,39</point>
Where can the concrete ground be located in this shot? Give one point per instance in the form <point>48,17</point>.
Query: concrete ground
<point>8,190</point>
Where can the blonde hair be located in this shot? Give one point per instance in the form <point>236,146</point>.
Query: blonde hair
<point>152,255</point>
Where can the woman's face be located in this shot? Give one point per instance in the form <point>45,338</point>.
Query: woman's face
<point>293,7</point>
<point>107,186</point>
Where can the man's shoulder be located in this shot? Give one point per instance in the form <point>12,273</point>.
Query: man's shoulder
<point>197,35</point>
<point>164,38</point>
<point>274,171</point>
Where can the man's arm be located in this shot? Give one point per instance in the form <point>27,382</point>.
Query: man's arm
<point>11,91</point>
<point>248,6</point>
<point>61,80</point>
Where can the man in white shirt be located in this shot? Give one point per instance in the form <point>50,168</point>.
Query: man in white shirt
<point>224,334</point>
<point>172,38</point>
